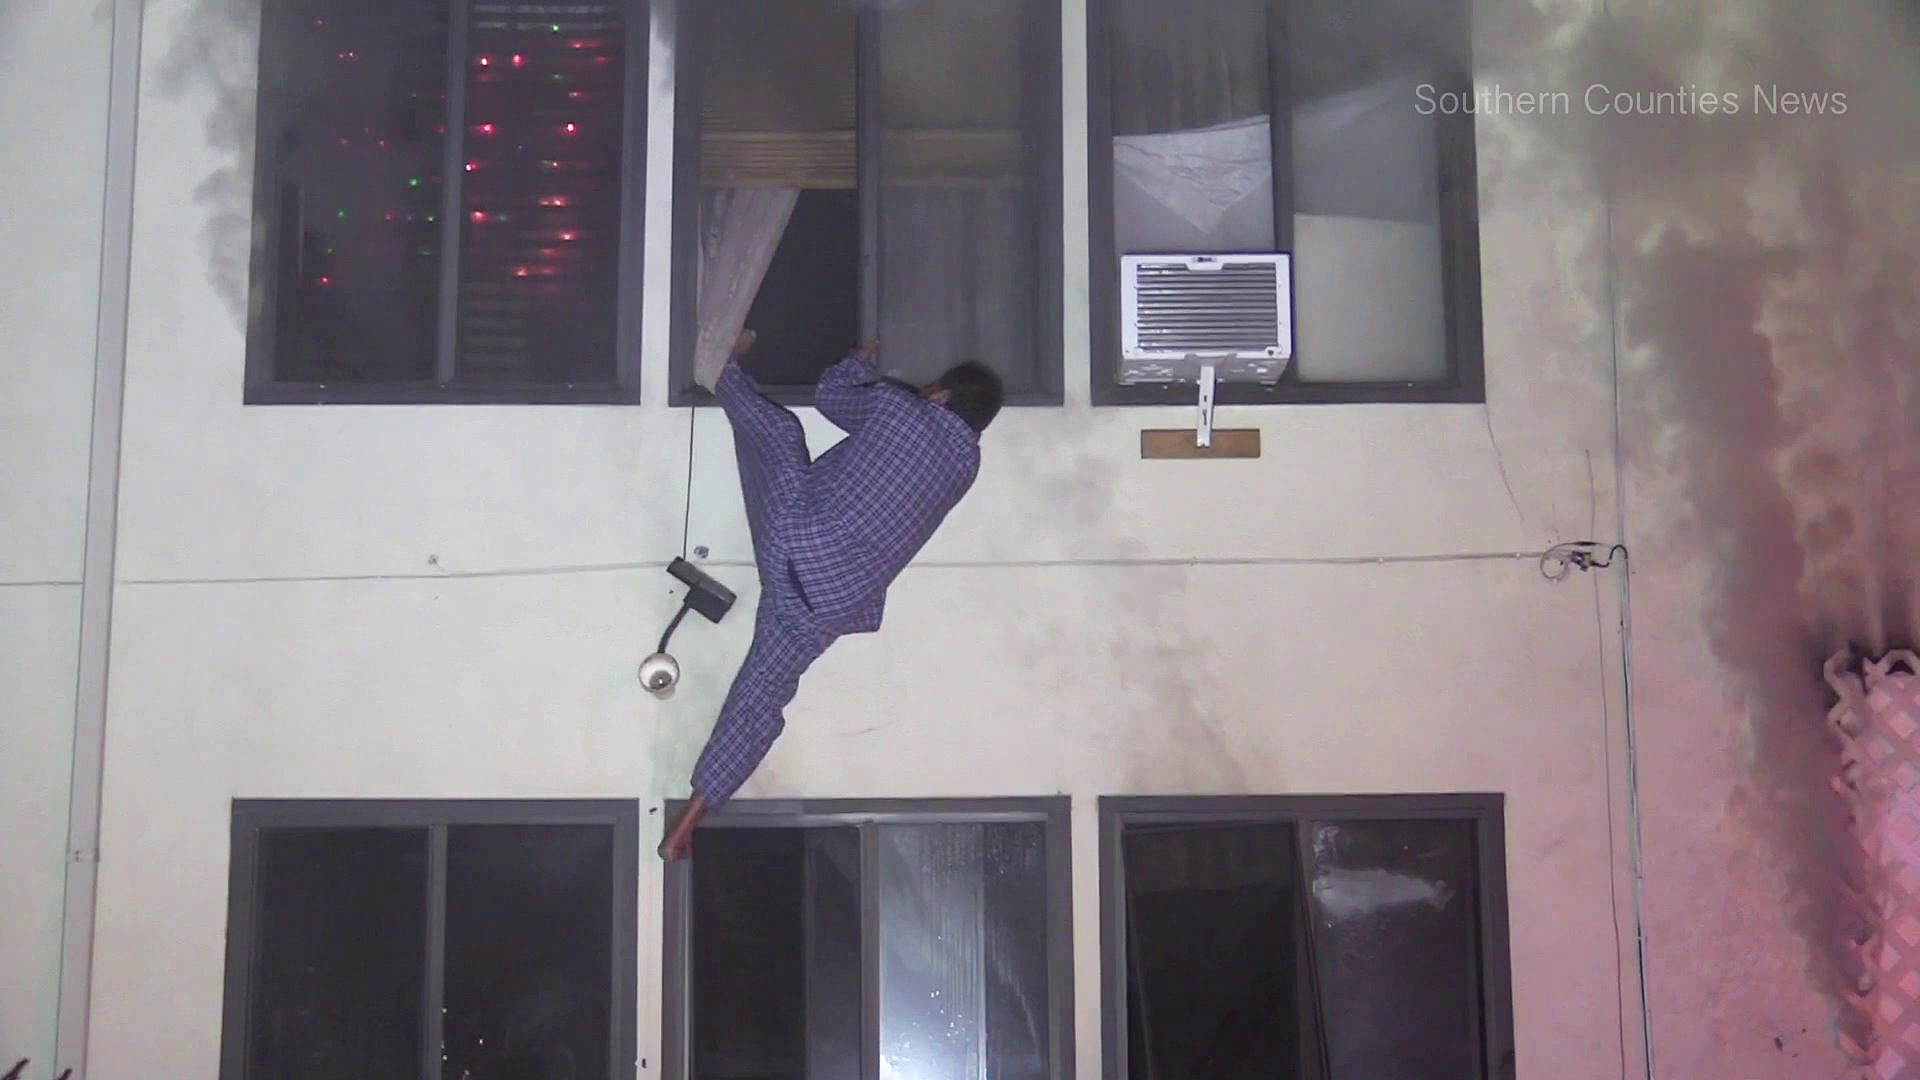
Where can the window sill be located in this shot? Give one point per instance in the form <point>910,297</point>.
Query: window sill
<point>1294,393</point>
<point>801,397</point>
<point>433,394</point>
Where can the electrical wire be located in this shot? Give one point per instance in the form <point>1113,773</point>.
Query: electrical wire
<point>917,565</point>
<point>686,513</point>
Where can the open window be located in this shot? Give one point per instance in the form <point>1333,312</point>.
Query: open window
<point>839,941</point>
<point>848,169</point>
<point>1290,127</point>
<point>1321,939</point>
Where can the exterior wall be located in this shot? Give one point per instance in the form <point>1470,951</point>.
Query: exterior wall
<point>450,601</point>
<point>53,126</point>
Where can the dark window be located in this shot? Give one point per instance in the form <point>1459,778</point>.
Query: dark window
<point>821,941</point>
<point>447,201</point>
<point>891,169</point>
<point>430,941</point>
<point>1318,939</point>
<point>1300,127</point>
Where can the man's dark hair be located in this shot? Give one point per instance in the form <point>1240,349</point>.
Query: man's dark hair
<point>974,393</point>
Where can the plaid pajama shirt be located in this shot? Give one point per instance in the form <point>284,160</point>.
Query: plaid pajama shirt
<point>829,536</point>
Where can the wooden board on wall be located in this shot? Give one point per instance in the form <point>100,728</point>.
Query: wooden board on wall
<point>1176,444</point>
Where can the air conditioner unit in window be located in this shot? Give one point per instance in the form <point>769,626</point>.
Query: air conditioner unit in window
<point>1204,318</point>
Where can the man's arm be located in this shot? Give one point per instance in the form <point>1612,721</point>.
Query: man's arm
<point>846,391</point>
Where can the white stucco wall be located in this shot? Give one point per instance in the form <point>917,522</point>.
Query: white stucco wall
<point>449,602</point>
<point>53,91</point>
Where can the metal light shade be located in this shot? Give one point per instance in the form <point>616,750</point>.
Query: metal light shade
<point>659,673</point>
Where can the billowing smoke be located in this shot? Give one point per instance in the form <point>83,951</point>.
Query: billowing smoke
<point>1762,165</point>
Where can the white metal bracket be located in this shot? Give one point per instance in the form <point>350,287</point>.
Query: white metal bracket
<point>1203,431</point>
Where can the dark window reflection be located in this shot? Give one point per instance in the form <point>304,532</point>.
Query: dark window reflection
<point>1354,955</point>
<point>337,983</point>
<point>1214,953</point>
<point>352,135</point>
<point>776,954</point>
<point>529,952</point>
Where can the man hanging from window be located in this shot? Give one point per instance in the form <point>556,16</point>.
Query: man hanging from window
<point>830,535</point>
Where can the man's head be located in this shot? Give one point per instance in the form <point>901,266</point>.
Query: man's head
<point>971,391</point>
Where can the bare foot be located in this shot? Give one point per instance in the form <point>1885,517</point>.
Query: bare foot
<point>675,848</point>
<point>868,351</point>
<point>743,344</point>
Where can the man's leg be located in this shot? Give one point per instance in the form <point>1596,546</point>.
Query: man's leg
<point>752,718</point>
<point>770,447</point>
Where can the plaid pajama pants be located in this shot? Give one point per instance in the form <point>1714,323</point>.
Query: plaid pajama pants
<point>787,639</point>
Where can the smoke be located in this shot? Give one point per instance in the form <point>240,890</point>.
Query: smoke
<point>213,56</point>
<point>1769,329</point>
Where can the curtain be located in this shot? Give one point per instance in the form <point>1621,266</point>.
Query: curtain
<point>739,229</point>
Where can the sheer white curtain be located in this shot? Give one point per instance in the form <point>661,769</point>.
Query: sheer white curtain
<point>739,229</point>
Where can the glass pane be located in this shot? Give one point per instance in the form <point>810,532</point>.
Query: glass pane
<point>1366,188</point>
<point>1019,1029</point>
<point>964,153</point>
<point>337,981</point>
<point>541,205</point>
<point>1397,948</point>
<point>351,130</point>
<point>831,917</point>
<point>529,961</point>
<point>963,989</point>
<point>776,954</point>
<point>1214,967</point>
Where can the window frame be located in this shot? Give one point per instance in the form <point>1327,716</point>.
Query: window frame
<point>251,816</point>
<point>678,26</point>
<point>1465,381</point>
<point>261,388</point>
<point>1485,812</point>
<point>1054,813</point>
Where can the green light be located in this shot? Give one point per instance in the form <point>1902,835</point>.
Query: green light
<point>413,181</point>
<point>342,215</point>
<point>556,28</point>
